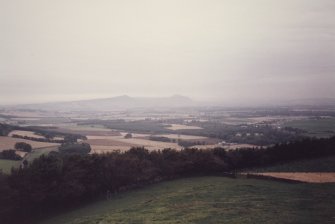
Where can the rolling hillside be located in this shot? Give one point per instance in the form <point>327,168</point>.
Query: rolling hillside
<point>212,200</point>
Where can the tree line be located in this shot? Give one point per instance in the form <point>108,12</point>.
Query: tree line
<point>10,154</point>
<point>60,180</point>
<point>48,134</point>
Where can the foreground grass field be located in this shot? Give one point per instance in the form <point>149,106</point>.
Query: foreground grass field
<point>213,200</point>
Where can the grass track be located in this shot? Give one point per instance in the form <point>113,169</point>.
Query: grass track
<point>212,200</point>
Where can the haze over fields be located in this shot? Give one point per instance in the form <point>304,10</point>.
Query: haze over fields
<point>220,50</point>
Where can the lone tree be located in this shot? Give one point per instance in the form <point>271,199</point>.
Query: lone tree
<point>23,146</point>
<point>129,135</point>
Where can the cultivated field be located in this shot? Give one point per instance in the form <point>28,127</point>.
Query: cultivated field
<point>104,143</point>
<point>324,127</point>
<point>20,153</point>
<point>176,127</point>
<point>6,165</point>
<point>325,164</point>
<point>36,153</point>
<point>228,147</point>
<point>319,170</point>
<point>303,177</point>
<point>212,200</point>
<point>100,144</point>
<point>86,130</point>
<point>182,137</point>
<point>25,133</point>
<point>9,142</point>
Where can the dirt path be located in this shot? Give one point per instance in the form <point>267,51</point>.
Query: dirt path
<point>301,176</point>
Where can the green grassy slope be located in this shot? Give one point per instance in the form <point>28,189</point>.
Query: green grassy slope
<point>6,165</point>
<point>213,200</point>
<point>36,153</point>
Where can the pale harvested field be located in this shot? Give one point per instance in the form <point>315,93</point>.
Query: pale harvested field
<point>183,137</point>
<point>102,137</point>
<point>9,142</point>
<point>135,135</point>
<point>87,132</point>
<point>25,133</point>
<point>58,138</point>
<point>111,143</point>
<point>101,144</point>
<point>276,118</point>
<point>84,128</point>
<point>230,147</point>
<point>26,119</point>
<point>305,177</point>
<point>176,127</point>
<point>152,145</point>
<point>145,136</point>
<point>20,153</point>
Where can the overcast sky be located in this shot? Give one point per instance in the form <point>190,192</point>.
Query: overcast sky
<point>262,50</point>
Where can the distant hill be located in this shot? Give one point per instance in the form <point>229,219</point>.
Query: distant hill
<point>114,103</point>
<point>307,103</point>
<point>176,101</point>
<point>314,102</point>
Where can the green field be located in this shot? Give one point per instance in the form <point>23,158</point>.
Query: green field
<point>36,153</point>
<point>326,164</point>
<point>6,165</point>
<point>212,200</point>
<point>315,127</point>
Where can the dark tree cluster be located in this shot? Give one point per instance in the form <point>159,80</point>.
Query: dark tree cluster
<point>22,146</point>
<point>68,138</point>
<point>5,129</point>
<point>75,148</point>
<point>161,139</point>
<point>245,134</point>
<point>128,135</point>
<point>190,143</point>
<point>59,181</point>
<point>9,154</point>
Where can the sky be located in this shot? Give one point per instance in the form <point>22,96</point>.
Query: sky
<point>222,50</point>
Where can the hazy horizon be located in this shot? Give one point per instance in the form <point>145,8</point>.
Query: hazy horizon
<point>217,50</point>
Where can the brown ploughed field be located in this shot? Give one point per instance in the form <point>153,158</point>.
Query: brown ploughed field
<point>308,177</point>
